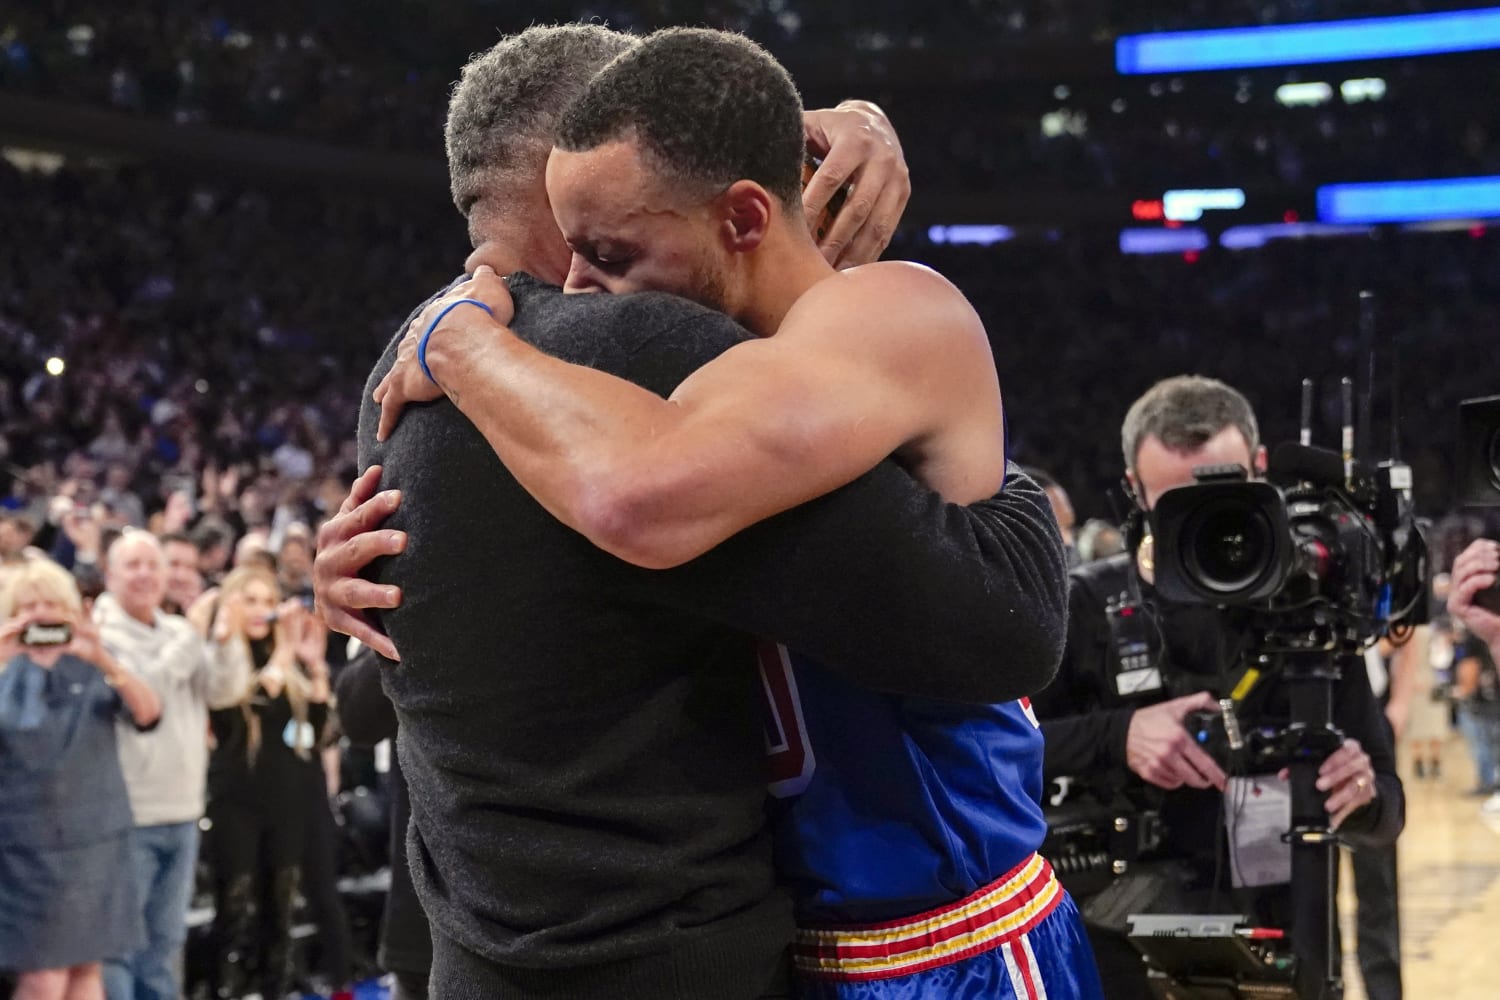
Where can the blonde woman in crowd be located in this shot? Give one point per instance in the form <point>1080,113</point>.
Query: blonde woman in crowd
<point>67,898</point>
<point>265,749</point>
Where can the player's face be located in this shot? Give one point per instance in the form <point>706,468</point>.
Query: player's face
<point>628,231</point>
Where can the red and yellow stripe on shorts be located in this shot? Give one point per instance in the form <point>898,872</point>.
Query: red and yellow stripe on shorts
<point>997,916</point>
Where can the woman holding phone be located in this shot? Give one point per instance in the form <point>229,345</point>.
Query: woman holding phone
<point>67,899</point>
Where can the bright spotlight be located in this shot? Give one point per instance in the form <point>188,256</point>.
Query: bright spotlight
<point>55,367</point>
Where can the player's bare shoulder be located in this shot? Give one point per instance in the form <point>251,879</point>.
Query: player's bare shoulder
<point>909,304</point>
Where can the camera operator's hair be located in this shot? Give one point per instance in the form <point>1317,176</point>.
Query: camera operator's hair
<point>708,107</point>
<point>1185,413</point>
<point>504,110</point>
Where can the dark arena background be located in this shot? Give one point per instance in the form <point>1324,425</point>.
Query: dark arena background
<point>214,216</point>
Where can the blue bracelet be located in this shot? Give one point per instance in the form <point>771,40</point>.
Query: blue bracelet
<point>422,344</point>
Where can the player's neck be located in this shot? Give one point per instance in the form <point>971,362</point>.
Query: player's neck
<point>786,266</point>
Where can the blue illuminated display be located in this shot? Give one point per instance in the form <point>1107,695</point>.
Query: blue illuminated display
<point>1305,44</point>
<point>1410,201</point>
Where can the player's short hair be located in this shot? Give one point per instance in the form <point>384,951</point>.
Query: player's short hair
<point>1185,412</point>
<point>707,107</point>
<point>504,110</point>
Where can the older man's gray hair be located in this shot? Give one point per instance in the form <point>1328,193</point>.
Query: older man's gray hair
<point>503,114</point>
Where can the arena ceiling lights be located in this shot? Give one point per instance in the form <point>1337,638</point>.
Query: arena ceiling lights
<point>1308,44</point>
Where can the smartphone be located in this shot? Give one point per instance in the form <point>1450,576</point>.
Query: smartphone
<point>47,634</point>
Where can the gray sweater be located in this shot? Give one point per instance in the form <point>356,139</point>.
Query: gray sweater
<point>165,768</point>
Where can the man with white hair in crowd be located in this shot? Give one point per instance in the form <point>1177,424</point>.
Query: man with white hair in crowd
<point>164,769</point>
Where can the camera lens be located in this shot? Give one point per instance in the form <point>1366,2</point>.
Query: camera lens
<point>1227,546</point>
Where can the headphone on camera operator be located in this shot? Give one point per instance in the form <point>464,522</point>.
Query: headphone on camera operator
<point>1129,719</point>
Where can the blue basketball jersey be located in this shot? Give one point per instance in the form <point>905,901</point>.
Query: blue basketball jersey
<point>892,806</point>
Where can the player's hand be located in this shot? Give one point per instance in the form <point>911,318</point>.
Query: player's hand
<point>1160,750</point>
<point>406,382</point>
<point>1348,777</point>
<point>347,543</point>
<point>859,148</point>
<point>1476,568</point>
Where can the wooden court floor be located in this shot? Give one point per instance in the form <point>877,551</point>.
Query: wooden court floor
<point>1449,864</point>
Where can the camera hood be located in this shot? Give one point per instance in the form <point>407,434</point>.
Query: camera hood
<point>1222,543</point>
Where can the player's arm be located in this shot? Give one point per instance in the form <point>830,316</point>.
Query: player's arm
<point>886,584</point>
<point>867,364</point>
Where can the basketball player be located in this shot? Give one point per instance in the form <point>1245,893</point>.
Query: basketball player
<point>911,834</point>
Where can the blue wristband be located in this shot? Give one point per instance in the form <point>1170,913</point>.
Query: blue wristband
<point>422,344</point>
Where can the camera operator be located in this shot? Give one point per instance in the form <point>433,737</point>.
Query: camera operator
<point>1114,724</point>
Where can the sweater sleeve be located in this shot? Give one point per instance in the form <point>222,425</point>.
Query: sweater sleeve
<point>1081,735</point>
<point>888,585</point>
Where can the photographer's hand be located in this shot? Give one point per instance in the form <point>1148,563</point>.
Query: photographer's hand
<point>1476,568</point>
<point>1159,749</point>
<point>1348,776</point>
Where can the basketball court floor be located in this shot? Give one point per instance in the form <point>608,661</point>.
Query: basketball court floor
<point>1449,862</point>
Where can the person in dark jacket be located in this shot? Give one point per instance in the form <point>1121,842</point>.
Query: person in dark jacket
<point>67,900</point>
<point>368,718</point>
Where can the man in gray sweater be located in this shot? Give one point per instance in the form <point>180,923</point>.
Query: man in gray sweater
<point>165,768</point>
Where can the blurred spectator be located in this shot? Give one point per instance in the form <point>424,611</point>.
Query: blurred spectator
<point>1477,688</point>
<point>16,534</point>
<point>215,544</point>
<point>164,769</point>
<point>405,937</point>
<point>1099,539</point>
<point>67,898</point>
<point>265,750</point>
<point>117,497</point>
<point>253,550</point>
<point>184,582</point>
<point>294,561</point>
